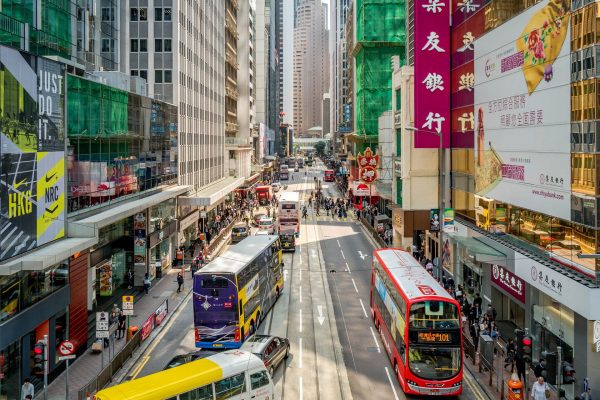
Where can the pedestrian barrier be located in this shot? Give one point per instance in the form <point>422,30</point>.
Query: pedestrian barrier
<point>373,232</point>
<point>105,376</point>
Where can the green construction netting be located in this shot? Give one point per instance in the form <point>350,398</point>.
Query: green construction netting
<point>381,34</point>
<point>95,109</point>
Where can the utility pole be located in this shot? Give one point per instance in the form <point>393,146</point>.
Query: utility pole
<point>46,357</point>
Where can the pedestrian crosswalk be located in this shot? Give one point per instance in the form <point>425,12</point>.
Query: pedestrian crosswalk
<point>330,218</point>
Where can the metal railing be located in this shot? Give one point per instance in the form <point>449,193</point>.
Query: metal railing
<point>105,376</point>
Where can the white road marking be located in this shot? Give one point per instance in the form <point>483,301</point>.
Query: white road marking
<point>338,242</point>
<point>300,272</point>
<point>300,321</point>
<point>387,371</point>
<point>301,389</point>
<point>375,339</point>
<point>354,283</point>
<point>363,307</point>
<point>300,353</point>
<point>321,318</point>
<point>343,256</point>
<point>300,300</point>
<point>348,268</point>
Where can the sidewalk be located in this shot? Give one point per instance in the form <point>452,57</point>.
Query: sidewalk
<point>87,366</point>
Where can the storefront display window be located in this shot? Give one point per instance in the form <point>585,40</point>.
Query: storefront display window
<point>10,367</point>
<point>553,326</point>
<point>161,215</point>
<point>23,289</point>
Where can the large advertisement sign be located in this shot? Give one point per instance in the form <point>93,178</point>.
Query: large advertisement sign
<point>522,107</point>
<point>432,73</point>
<point>32,198</point>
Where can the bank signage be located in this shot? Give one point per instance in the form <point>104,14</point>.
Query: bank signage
<point>574,295</point>
<point>509,282</point>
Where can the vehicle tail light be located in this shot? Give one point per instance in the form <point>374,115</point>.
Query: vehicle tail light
<point>197,334</point>
<point>236,334</point>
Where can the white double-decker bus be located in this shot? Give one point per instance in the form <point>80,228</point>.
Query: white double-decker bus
<point>289,212</point>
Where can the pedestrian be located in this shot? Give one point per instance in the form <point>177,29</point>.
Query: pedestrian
<point>491,312</point>
<point>121,326</point>
<point>587,394</point>
<point>179,282</point>
<point>146,283</point>
<point>540,390</point>
<point>478,300</point>
<point>510,355</point>
<point>539,368</point>
<point>27,389</point>
<point>429,267</point>
<point>520,365</point>
<point>129,279</point>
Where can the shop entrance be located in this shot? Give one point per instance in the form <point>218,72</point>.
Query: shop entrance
<point>510,313</point>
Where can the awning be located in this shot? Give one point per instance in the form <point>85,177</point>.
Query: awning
<point>47,256</point>
<point>213,193</point>
<point>480,250</point>
<point>88,227</point>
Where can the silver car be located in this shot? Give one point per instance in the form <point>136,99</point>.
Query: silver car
<point>271,349</point>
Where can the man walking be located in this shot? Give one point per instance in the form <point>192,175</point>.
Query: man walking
<point>27,389</point>
<point>179,282</point>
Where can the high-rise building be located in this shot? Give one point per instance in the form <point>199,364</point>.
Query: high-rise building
<point>338,69</point>
<point>311,68</point>
<point>181,49</point>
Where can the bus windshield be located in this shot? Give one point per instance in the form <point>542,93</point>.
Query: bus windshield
<point>434,363</point>
<point>433,315</point>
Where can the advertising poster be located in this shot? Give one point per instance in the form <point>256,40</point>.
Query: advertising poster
<point>449,220</point>
<point>522,111</point>
<point>105,276</point>
<point>32,198</point>
<point>147,327</point>
<point>139,248</point>
<point>161,313</point>
<point>447,257</point>
<point>434,220</point>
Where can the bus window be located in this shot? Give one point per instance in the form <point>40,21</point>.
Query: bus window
<point>230,387</point>
<point>201,393</point>
<point>259,380</point>
<point>426,314</point>
<point>214,282</point>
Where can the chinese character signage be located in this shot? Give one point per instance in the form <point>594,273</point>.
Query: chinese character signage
<point>509,282</point>
<point>32,201</point>
<point>523,111</point>
<point>432,73</point>
<point>368,163</point>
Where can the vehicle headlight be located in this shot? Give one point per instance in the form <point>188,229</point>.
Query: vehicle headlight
<point>457,384</point>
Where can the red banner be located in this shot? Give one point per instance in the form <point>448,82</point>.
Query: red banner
<point>148,327</point>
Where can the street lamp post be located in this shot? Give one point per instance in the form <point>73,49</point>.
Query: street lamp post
<point>441,195</point>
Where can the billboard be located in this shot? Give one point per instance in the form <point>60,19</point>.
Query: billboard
<point>522,111</point>
<point>32,139</point>
<point>432,74</point>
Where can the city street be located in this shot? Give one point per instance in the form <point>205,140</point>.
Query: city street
<point>335,349</point>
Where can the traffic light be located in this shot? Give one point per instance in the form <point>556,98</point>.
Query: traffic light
<point>519,340</point>
<point>527,343</point>
<point>39,351</point>
<point>568,373</point>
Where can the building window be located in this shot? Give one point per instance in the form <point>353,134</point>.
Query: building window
<point>143,45</point>
<point>133,16</point>
<point>134,72</point>
<point>158,45</point>
<point>107,45</point>
<point>167,45</point>
<point>107,14</point>
<point>158,14</point>
<point>144,74</point>
<point>134,45</point>
<point>143,14</point>
<point>168,76</point>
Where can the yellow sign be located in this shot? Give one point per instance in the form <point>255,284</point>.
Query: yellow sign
<point>127,305</point>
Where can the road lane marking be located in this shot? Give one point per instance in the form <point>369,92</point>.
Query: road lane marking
<point>300,353</point>
<point>354,283</point>
<point>300,300</point>
<point>343,256</point>
<point>348,268</point>
<point>363,307</point>
<point>300,272</point>
<point>300,388</point>
<point>338,242</point>
<point>375,339</point>
<point>300,321</point>
<point>141,366</point>
<point>387,371</point>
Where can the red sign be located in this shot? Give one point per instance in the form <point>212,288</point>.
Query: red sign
<point>368,163</point>
<point>432,73</point>
<point>509,282</point>
<point>148,327</point>
<point>66,348</point>
<point>161,313</point>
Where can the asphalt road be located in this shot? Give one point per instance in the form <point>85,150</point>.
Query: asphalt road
<point>324,312</point>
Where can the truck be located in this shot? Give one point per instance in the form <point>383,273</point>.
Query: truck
<point>264,194</point>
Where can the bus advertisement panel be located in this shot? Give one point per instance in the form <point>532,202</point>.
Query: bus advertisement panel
<point>419,324</point>
<point>232,292</point>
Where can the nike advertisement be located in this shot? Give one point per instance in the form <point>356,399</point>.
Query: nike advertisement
<point>32,140</point>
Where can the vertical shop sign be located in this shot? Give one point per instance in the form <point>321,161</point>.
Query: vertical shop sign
<point>139,247</point>
<point>432,73</point>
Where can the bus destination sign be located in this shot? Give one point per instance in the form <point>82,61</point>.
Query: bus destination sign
<point>434,337</point>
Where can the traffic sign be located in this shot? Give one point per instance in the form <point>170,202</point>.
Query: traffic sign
<point>102,321</point>
<point>127,305</point>
<point>66,348</point>
<point>61,358</point>
<point>102,334</point>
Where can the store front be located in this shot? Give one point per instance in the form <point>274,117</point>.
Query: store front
<point>163,245</point>
<point>508,299</point>
<point>188,228</point>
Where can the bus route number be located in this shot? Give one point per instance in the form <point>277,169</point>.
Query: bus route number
<point>434,337</point>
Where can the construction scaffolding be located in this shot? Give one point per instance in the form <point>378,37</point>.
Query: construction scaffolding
<point>380,34</point>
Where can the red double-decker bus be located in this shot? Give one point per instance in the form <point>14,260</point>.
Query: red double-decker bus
<point>329,175</point>
<point>419,324</point>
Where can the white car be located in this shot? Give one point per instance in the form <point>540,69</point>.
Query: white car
<point>267,224</point>
<point>261,232</point>
<point>276,186</point>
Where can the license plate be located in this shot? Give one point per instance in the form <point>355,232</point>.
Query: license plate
<point>217,345</point>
